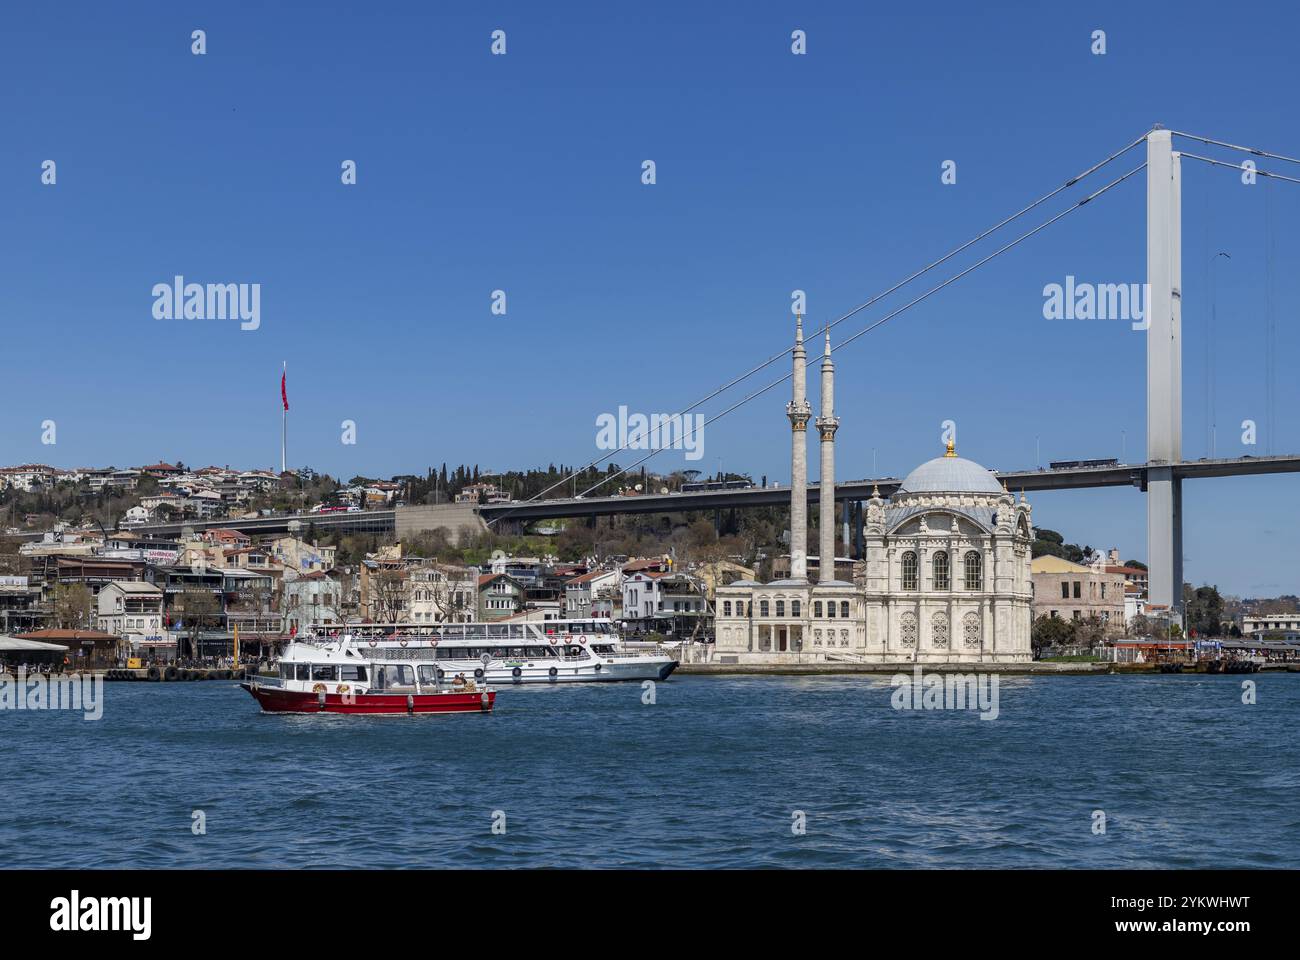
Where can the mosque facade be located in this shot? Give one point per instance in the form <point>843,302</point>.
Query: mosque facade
<point>945,576</point>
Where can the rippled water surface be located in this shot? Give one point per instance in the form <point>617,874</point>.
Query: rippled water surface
<point>709,776</point>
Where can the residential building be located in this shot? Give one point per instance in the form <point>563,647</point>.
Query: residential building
<point>673,604</point>
<point>20,606</point>
<point>133,612</point>
<point>27,477</point>
<point>294,553</point>
<point>441,593</point>
<point>1072,591</point>
<point>581,592</point>
<point>1284,624</point>
<point>315,597</point>
<point>500,595</point>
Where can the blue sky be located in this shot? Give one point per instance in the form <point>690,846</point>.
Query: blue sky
<point>522,172</point>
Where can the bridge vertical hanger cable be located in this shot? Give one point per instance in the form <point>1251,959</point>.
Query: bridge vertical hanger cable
<point>1270,339</point>
<point>858,309</point>
<point>1209,328</point>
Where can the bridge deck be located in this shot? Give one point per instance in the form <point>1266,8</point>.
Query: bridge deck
<point>1072,478</point>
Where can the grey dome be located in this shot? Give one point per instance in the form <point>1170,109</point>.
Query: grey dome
<point>950,475</point>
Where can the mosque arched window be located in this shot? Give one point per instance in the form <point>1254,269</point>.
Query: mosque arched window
<point>726,608</point>
<point>830,608</point>
<point>762,608</point>
<point>942,580</point>
<point>780,608</point>
<point>909,571</point>
<point>974,571</point>
<point>844,609</point>
<point>817,608</point>
<point>794,608</point>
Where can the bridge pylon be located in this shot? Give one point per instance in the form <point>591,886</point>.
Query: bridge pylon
<point>1164,330</point>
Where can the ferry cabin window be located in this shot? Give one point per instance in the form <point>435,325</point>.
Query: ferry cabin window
<point>286,671</point>
<point>323,671</point>
<point>304,671</point>
<point>428,674</point>
<point>353,672</point>
<point>394,675</point>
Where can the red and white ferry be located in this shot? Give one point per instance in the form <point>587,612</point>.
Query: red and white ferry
<point>338,676</point>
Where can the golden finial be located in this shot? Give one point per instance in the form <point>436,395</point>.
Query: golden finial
<point>952,449</point>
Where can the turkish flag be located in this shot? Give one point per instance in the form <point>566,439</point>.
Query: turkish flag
<point>284,392</point>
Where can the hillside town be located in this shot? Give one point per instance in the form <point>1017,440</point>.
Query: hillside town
<point>80,571</point>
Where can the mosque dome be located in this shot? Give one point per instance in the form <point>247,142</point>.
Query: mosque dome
<point>950,474</point>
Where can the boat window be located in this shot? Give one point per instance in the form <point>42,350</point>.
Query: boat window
<point>428,674</point>
<point>353,672</point>
<point>390,675</point>
<point>286,671</point>
<point>324,671</point>
<point>304,671</point>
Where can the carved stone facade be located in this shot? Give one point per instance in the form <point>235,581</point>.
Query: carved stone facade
<point>945,575</point>
<point>945,579</point>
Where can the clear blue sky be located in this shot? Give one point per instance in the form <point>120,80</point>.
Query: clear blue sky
<point>775,172</point>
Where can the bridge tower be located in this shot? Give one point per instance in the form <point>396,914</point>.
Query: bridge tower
<point>1164,370</point>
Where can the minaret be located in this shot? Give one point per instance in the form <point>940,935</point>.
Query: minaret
<point>827,424</point>
<point>799,413</point>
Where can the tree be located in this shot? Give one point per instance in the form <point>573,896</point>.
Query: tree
<point>387,588</point>
<point>200,610</point>
<point>1139,626</point>
<point>1050,632</point>
<point>1090,632</point>
<point>1203,610</point>
<point>73,607</point>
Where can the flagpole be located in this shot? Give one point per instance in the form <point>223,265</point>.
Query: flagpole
<point>284,418</point>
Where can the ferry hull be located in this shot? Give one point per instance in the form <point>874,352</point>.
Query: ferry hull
<point>277,700</point>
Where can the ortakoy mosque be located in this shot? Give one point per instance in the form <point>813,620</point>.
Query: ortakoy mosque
<point>945,576</point>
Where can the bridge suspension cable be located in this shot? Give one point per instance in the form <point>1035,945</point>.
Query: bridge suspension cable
<point>851,313</point>
<point>907,306</point>
<point>1233,146</point>
<point>1237,167</point>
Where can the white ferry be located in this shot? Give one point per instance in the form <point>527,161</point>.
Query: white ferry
<point>523,651</point>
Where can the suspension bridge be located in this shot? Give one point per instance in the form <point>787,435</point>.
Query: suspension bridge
<point>1160,476</point>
